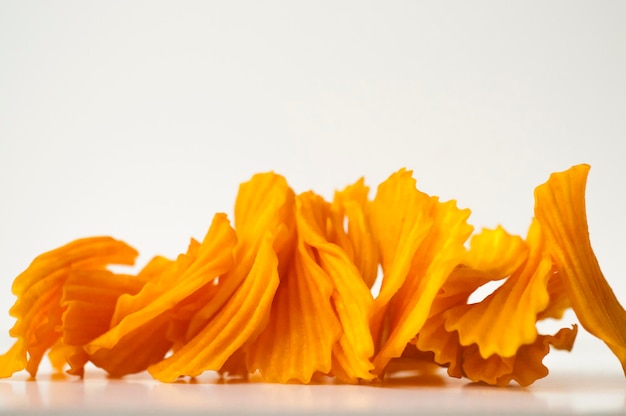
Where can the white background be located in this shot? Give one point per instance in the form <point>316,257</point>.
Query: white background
<point>140,119</point>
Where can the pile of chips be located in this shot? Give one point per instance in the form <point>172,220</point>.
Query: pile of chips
<point>285,291</point>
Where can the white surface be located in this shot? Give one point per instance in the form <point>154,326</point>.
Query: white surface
<point>140,119</point>
<point>558,395</point>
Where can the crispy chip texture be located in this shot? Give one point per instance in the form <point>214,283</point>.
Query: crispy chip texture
<point>39,290</point>
<point>290,291</point>
<point>560,208</point>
